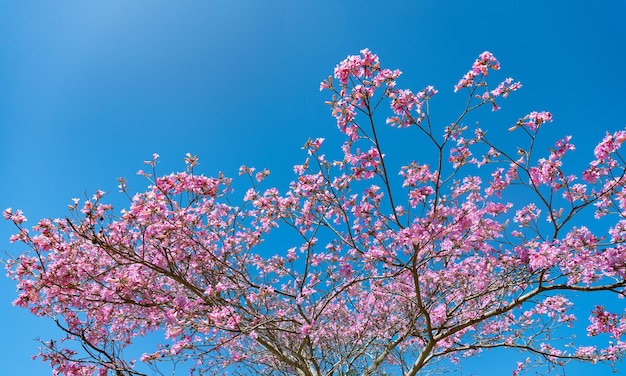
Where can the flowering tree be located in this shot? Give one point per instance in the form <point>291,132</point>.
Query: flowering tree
<point>482,247</point>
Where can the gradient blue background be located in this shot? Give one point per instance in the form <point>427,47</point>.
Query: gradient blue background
<point>90,89</point>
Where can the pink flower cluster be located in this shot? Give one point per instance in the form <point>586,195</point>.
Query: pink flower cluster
<point>17,217</point>
<point>610,144</point>
<point>359,66</point>
<point>480,69</point>
<point>535,119</point>
<point>503,89</point>
<point>408,106</point>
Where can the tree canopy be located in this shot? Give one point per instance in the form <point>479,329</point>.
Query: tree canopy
<point>484,245</point>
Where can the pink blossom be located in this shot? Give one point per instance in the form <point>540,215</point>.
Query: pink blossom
<point>17,217</point>
<point>480,68</point>
<point>610,144</point>
<point>535,119</point>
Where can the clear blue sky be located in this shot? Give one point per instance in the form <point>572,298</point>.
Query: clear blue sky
<point>90,89</point>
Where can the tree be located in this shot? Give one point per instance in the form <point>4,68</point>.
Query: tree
<point>483,247</point>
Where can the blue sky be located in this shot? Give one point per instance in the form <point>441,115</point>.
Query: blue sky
<point>90,89</point>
